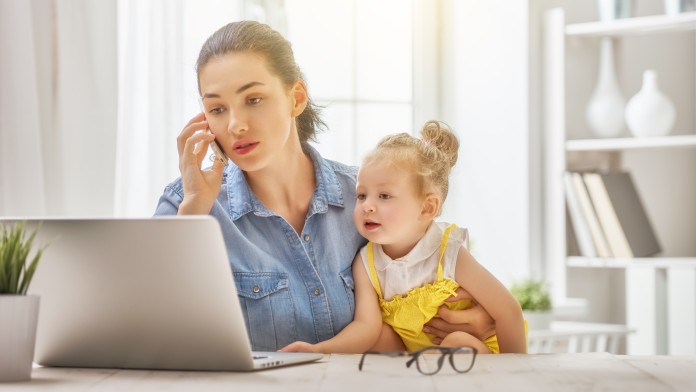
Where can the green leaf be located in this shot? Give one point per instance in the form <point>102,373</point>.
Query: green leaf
<point>15,248</point>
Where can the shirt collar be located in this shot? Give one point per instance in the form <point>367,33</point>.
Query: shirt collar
<point>327,192</point>
<point>425,248</point>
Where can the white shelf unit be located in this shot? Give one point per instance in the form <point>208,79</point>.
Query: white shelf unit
<point>651,320</point>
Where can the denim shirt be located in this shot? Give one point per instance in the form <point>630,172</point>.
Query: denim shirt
<point>291,287</point>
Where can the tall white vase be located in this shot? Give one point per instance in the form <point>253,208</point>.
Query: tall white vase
<point>650,112</point>
<point>605,109</point>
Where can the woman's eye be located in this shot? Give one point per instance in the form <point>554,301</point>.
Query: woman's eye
<point>216,110</point>
<point>384,196</point>
<point>254,101</point>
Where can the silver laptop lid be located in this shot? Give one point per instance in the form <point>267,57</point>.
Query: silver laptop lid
<point>138,293</point>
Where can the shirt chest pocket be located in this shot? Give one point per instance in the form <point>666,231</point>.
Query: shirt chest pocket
<point>268,309</point>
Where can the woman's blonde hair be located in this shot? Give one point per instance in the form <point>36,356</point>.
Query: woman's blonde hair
<point>430,158</point>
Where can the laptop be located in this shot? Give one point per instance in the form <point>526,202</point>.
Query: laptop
<point>153,293</point>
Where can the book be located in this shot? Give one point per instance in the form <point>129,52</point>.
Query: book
<point>588,211</point>
<point>579,224</point>
<point>622,215</point>
<point>572,248</point>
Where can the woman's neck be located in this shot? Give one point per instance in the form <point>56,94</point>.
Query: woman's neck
<point>286,186</point>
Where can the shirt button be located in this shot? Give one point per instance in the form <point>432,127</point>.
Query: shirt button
<point>306,237</point>
<point>256,288</point>
<point>317,291</point>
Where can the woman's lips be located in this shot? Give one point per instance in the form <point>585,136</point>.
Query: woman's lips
<point>244,147</point>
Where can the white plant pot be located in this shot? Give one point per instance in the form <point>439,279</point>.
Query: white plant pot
<point>537,319</point>
<point>18,317</point>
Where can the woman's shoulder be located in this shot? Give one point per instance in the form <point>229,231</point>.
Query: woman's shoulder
<point>342,168</point>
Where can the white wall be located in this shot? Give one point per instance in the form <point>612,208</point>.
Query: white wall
<point>484,97</point>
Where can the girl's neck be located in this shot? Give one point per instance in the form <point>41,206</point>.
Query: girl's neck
<point>403,247</point>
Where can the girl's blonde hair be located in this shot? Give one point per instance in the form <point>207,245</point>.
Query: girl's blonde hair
<point>430,158</point>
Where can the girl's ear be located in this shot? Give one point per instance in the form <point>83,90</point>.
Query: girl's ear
<point>300,99</point>
<point>431,206</point>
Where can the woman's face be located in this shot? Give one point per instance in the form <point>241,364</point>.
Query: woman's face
<point>250,110</point>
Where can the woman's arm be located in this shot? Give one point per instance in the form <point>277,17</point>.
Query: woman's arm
<point>362,333</point>
<point>493,296</point>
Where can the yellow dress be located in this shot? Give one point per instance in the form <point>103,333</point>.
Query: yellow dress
<point>409,312</point>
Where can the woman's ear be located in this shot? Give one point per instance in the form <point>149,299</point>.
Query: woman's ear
<point>431,206</point>
<point>300,98</point>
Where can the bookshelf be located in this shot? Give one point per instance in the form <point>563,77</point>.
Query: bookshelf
<point>647,312</point>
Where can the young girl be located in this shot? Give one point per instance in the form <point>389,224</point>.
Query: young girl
<point>412,264</point>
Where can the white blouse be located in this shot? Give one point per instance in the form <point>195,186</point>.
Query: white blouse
<point>419,266</point>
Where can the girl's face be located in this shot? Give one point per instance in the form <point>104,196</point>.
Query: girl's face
<point>387,210</point>
<point>250,110</point>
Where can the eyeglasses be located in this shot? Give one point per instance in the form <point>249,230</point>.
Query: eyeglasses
<point>461,358</point>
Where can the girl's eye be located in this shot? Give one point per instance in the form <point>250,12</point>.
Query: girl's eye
<point>384,196</point>
<point>254,101</point>
<point>216,110</point>
<point>361,196</point>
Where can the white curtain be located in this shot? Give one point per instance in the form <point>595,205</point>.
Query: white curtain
<point>57,107</point>
<point>159,41</point>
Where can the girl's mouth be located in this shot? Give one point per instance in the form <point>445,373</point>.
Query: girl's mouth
<point>369,225</point>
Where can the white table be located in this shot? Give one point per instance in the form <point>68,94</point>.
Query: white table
<point>508,372</point>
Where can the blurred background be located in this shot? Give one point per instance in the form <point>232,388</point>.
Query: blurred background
<point>94,93</point>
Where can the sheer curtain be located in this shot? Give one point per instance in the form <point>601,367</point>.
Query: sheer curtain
<point>57,107</point>
<point>159,41</point>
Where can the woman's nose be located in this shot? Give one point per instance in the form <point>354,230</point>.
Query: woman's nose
<point>237,123</point>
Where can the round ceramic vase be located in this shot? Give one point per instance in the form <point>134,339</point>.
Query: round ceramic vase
<point>605,109</point>
<point>650,113</point>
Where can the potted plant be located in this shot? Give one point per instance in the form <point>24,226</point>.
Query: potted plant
<point>535,300</point>
<point>18,311</point>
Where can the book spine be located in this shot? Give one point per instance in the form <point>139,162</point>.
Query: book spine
<point>577,219</point>
<point>598,236</point>
<point>606,215</point>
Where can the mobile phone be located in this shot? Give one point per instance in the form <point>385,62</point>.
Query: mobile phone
<point>215,146</point>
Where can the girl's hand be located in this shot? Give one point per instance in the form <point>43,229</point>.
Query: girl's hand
<point>474,320</point>
<point>201,187</point>
<point>300,347</point>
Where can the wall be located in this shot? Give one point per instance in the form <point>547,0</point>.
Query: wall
<point>484,95</point>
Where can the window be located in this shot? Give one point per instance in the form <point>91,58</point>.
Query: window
<point>357,57</point>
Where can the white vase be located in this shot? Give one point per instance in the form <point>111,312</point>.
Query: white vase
<point>537,320</point>
<point>650,113</point>
<point>674,7</point>
<point>614,9</point>
<point>18,317</point>
<point>605,109</point>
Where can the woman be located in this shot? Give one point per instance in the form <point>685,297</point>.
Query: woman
<point>285,212</point>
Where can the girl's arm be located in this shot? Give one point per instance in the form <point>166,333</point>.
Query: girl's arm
<point>363,331</point>
<point>496,299</point>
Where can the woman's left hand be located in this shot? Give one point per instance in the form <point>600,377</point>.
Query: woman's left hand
<point>475,320</point>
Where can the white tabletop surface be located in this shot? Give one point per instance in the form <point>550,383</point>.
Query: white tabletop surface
<point>509,372</point>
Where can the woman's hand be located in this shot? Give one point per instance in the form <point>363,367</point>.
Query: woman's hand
<point>201,187</point>
<point>474,320</point>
